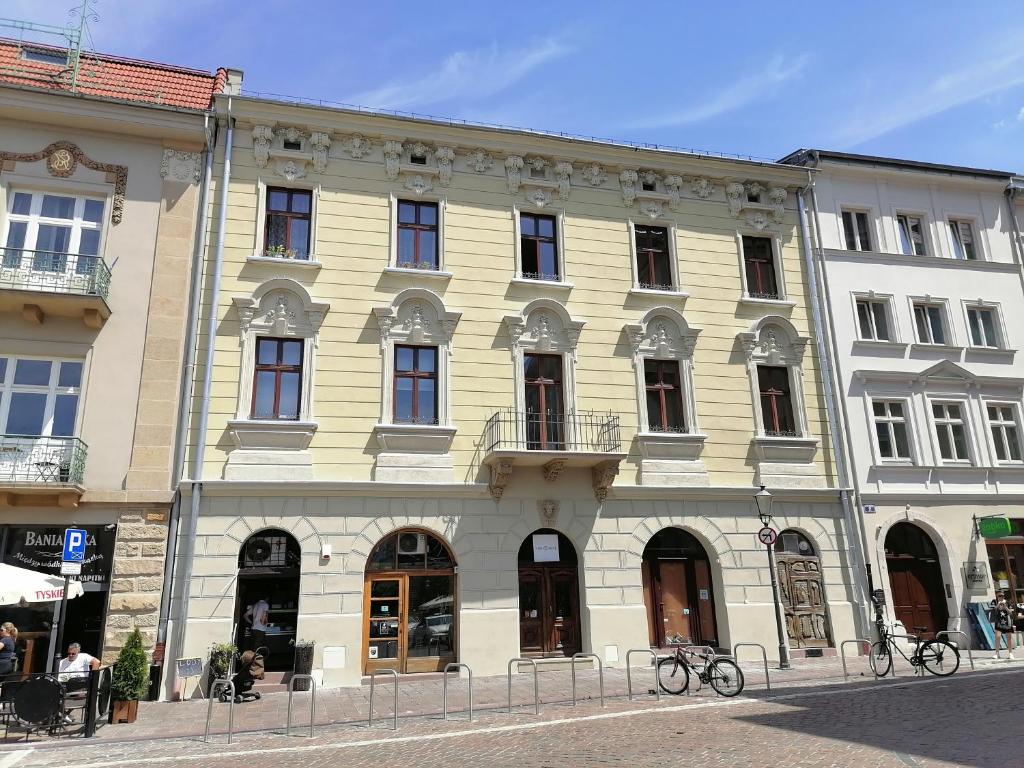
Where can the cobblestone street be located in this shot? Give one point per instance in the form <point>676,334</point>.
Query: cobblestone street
<point>964,720</point>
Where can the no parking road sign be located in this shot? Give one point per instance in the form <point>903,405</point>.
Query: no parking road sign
<point>767,536</point>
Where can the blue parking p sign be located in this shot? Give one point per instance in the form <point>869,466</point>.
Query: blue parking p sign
<point>74,545</point>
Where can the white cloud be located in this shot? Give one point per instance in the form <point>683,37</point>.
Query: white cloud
<point>952,89</point>
<point>746,90</point>
<point>465,75</point>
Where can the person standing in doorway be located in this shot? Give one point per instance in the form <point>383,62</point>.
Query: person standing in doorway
<point>257,617</point>
<point>1002,620</point>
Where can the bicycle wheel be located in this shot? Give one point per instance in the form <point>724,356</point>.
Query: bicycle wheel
<point>880,659</point>
<point>672,676</point>
<point>940,657</point>
<point>726,677</point>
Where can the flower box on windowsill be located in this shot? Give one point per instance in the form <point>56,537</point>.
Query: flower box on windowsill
<point>282,261</point>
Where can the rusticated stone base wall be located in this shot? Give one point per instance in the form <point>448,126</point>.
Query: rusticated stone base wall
<point>137,579</point>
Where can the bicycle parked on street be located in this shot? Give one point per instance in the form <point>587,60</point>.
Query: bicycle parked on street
<point>674,671</point>
<point>940,657</point>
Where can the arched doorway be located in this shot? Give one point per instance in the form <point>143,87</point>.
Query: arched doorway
<point>803,594</point>
<point>409,609</point>
<point>549,595</point>
<point>915,577</point>
<point>269,563</point>
<point>677,589</point>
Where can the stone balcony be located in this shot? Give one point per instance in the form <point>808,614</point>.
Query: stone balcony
<point>41,471</point>
<point>43,283</point>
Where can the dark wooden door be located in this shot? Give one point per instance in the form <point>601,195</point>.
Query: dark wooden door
<point>673,603</point>
<point>803,600</point>
<point>549,623</point>
<point>915,599</point>
<point>545,415</point>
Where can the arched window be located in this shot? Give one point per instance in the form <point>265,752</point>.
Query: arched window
<point>267,601</point>
<point>792,542</point>
<point>272,548</point>
<point>410,551</point>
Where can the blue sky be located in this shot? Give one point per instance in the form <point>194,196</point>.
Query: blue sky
<point>938,81</point>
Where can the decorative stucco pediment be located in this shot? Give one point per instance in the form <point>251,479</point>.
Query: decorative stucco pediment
<point>416,316</point>
<point>773,340</point>
<point>544,325</point>
<point>663,333</point>
<point>280,307</point>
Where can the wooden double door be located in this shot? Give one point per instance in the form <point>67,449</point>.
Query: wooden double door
<point>680,602</point>
<point>409,621</point>
<point>803,600</point>
<point>549,608</point>
<point>917,594</point>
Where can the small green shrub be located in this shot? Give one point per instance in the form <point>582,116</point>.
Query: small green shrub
<point>130,679</point>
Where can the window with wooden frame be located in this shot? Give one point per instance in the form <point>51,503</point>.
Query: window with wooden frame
<point>759,268</point>
<point>545,402</point>
<point>417,235</point>
<point>873,320</point>
<point>663,384</point>
<point>891,429</point>
<point>277,379</point>
<point>653,258</point>
<point>289,223</point>
<point>911,230</point>
<point>930,323</point>
<point>983,324</point>
<point>776,401</point>
<point>538,239</point>
<point>962,236</point>
<point>415,382</point>
<point>1002,420</point>
<point>855,231</point>
<point>951,431</point>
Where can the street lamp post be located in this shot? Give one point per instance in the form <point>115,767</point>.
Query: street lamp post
<point>763,499</point>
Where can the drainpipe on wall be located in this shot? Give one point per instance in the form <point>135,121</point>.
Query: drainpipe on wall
<point>836,423</point>
<point>204,403</point>
<point>185,386</point>
<point>1014,188</point>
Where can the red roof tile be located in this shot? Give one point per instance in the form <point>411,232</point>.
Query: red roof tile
<point>110,77</point>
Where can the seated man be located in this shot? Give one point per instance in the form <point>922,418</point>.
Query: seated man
<point>74,672</point>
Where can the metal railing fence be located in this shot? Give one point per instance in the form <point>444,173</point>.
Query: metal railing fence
<point>574,432</point>
<point>54,272</point>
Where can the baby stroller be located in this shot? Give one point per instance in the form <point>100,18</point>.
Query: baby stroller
<point>251,668</point>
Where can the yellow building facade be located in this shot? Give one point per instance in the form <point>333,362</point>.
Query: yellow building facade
<point>478,393</point>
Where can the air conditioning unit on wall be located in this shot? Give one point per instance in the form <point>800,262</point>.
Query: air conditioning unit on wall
<point>412,544</point>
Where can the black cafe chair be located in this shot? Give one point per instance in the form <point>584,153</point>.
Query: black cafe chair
<point>8,688</point>
<point>38,705</point>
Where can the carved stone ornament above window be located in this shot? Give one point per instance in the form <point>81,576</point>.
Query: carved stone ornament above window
<point>280,307</point>
<point>594,175</point>
<point>292,150</point>
<point>63,158</point>
<point>652,190</point>
<point>757,203</point>
<point>539,177</point>
<point>357,146</point>
<point>180,166</point>
<point>702,188</point>
<point>480,160</point>
<point>418,165</point>
<point>774,341</point>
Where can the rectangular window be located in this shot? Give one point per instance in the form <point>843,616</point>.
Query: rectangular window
<point>415,385</point>
<point>56,233</point>
<point>664,396</point>
<point>962,234</point>
<point>417,235</point>
<point>929,323</point>
<point>855,229</point>
<point>289,221</point>
<point>951,431</point>
<point>891,429</point>
<point>759,265</point>
<point>545,412</point>
<point>984,327</point>
<point>539,247</point>
<point>277,383</point>
<point>39,397</point>
<point>872,318</point>
<point>653,258</point>
<point>776,401</point>
<point>1005,432</point>
<point>911,234</point>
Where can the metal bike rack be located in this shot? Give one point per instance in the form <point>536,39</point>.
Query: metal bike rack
<point>600,673</point>
<point>536,683</point>
<point>312,702</point>
<point>373,679</point>
<point>842,652</point>
<point>447,668</point>
<point>967,642</point>
<point>764,656</point>
<point>629,680</point>
<point>227,685</point>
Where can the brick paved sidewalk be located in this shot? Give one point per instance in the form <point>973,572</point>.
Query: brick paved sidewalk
<point>423,697</point>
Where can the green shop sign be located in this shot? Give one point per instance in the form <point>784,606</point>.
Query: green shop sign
<point>994,527</point>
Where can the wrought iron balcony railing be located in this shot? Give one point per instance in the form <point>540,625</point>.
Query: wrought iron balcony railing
<point>53,272</point>
<point>577,432</point>
<point>30,460</point>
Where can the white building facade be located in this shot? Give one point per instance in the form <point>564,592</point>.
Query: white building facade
<point>921,270</point>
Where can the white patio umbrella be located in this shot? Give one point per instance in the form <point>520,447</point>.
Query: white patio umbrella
<point>22,585</point>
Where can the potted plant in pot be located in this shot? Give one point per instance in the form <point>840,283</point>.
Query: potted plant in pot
<point>220,663</point>
<point>130,680</point>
